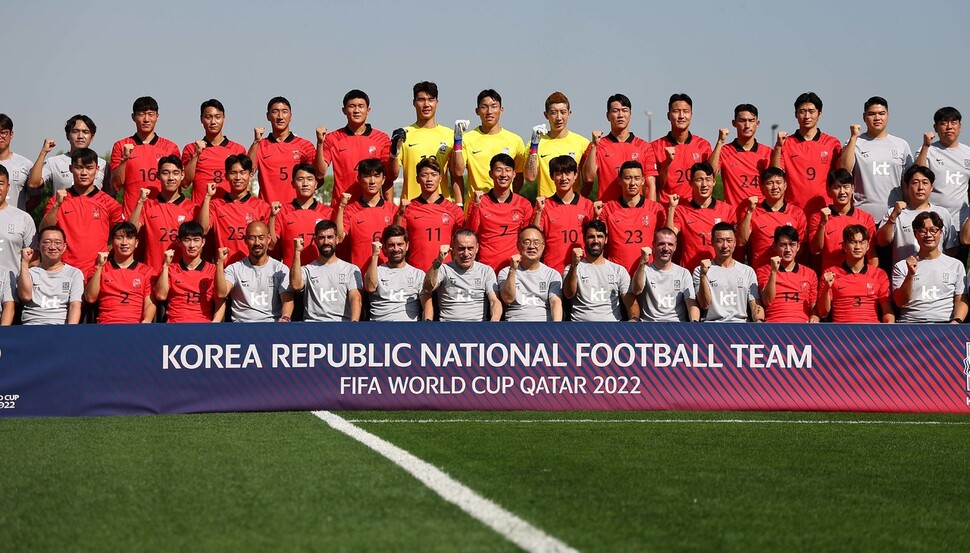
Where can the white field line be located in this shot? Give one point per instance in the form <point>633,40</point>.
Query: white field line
<point>509,526</point>
<point>650,421</point>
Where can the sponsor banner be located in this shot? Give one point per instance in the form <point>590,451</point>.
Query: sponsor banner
<point>128,369</point>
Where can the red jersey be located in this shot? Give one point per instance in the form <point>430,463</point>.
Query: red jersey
<point>611,154</point>
<point>160,226</point>
<point>141,169</point>
<point>631,227</point>
<point>274,162</point>
<point>497,225</point>
<point>832,253</point>
<point>694,224</point>
<point>190,293</point>
<point>123,291</point>
<point>764,221</point>
<point>807,164</point>
<point>741,171</point>
<point>562,225</point>
<point>694,150</point>
<point>856,296</point>
<point>795,294</point>
<point>211,166</point>
<point>87,220</point>
<point>363,225</point>
<point>429,226</point>
<point>229,219</point>
<point>343,150</point>
<point>294,221</point>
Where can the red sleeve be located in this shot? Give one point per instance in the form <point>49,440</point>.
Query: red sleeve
<point>530,213</point>
<point>813,222</point>
<point>730,214</point>
<point>116,155</point>
<point>173,149</point>
<point>308,152</point>
<point>801,227</point>
<point>883,285</point>
<point>764,273</point>
<point>678,217</point>
<point>706,151</point>
<point>649,160</point>
<point>474,217</point>
<point>328,149</point>
<point>280,221</point>
<point>266,210</point>
<point>812,287</point>
<point>187,153</point>
<point>114,208</point>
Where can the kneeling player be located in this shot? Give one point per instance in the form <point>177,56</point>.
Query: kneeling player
<point>855,292</point>
<point>788,288</point>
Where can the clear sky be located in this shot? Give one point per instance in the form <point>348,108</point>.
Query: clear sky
<point>95,58</point>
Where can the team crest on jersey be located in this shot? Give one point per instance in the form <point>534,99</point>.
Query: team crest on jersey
<point>136,283</point>
<point>516,216</point>
<point>585,279</point>
<point>635,156</point>
<point>966,163</point>
<point>296,154</point>
<point>946,277</point>
<point>611,279</point>
<point>505,151</point>
<point>572,155</point>
<point>249,218</point>
<point>65,287</point>
<point>870,289</point>
<point>410,281</point>
<point>895,153</point>
<point>442,148</point>
<point>676,284</point>
<point>804,287</point>
<point>697,157</point>
<point>478,283</point>
<point>96,213</point>
<point>646,220</point>
<point>713,283</point>
<point>825,155</point>
<point>543,287</point>
<point>341,279</point>
<point>180,219</point>
<point>11,229</point>
<point>740,283</point>
<point>372,150</point>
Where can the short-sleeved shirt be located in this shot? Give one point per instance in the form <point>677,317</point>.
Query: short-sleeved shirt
<point>463,293</point>
<point>17,231</point>
<point>951,166</point>
<point>229,218</point>
<point>570,144</point>
<point>694,224</point>
<point>87,220</point>
<point>497,224</point>
<point>398,294</point>
<point>630,228</point>
<point>533,289</point>
<point>796,292</point>
<point>191,293</point>
<point>18,168</point>
<point>256,290</point>
<point>275,160</point>
<point>479,148</point>
<point>211,166</point>
<point>904,242</point>
<point>295,221</point>
<point>7,292</point>
<point>419,144</point>
<point>562,225</point>
<point>429,226</point>
<point>327,289</point>
<point>160,226</point>
<point>57,171</point>
<point>364,225</point>
<point>741,171</point>
<point>665,294</point>
<point>731,290</point>
<point>935,284</point>
<point>879,167</point>
<point>832,253</point>
<point>611,154</point>
<point>123,291</point>
<point>53,293</point>
<point>807,164</point>
<point>764,222</point>
<point>141,169</point>
<point>599,290</point>
<point>343,150</point>
<point>856,296</point>
<point>694,150</point>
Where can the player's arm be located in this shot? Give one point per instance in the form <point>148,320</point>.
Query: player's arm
<point>925,150</point>
<point>370,277</point>
<point>674,201</point>
<point>286,307</point>
<point>555,308</point>
<point>9,310</point>
<point>457,160</point>
<point>965,232</point>
<point>36,177</point>
<point>162,285</point>
<point>296,271</point>
<point>320,159</point>
<point>401,208</point>
<point>219,311</point>
<point>632,307</point>
<point>570,285</point>
<point>693,311</point>
<point>847,161</point>
<point>776,151</point>
<point>274,229</point>
<point>475,214</point>
<point>192,162</point>
<point>431,277</point>
<point>222,284</point>
<point>703,286</point>
<point>427,306</point>
<point>715,159</point>
<point>135,217</point>
<point>886,308</point>
<point>824,304</point>
<point>458,188</point>
<point>494,307</point>
<point>589,166</point>
<point>73,313</point>
<point>339,217</point>
<point>353,296</point>
<point>532,162</point>
<point>639,276</point>
<point>757,313</point>
<point>887,231</point>
<point>904,292</point>
<point>508,287</point>
<point>93,288</point>
<point>817,242</point>
<point>25,284</point>
<point>148,309</point>
<point>960,309</point>
<point>205,210</point>
<point>50,218</point>
<point>744,225</point>
<point>768,292</point>
<point>254,147</point>
<point>118,173</point>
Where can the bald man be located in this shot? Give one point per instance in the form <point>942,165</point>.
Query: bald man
<point>258,286</point>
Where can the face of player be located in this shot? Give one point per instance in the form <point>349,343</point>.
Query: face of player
<point>52,245</point>
<point>949,131</point>
<point>664,246</point>
<point>489,111</point>
<point>326,242</point>
<point>928,235</point>
<point>774,188</point>
<point>465,248</point>
<point>6,137</point>
<point>746,124</point>
<point>558,117</point>
<point>703,185</point>
<point>876,118</point>
<point>919,188</point>
<point>170,177</point>
<point>680,115</point>
<point>395,248</point>
<point>531,245</point>
<point>239,178</point>
<point>807,116</point>
<point>356,110</point>
<point>430,180</point>
<point>564,182</point>
<point>856,248</point>
<point>631,182</point>
<point>304,183</point>
<point>595,242</point>
<point>80,136</point>
<point>723,244</point>
<point>787,250</point>
<point>145,121</point>
<point>371,184</point>
<point>212,121</point>
<point>425,106</point>
<point>4,188</point>
<point>191,247</point>
<point>841,193</point>
<point>123,246</point>
<point>619,117</point>
<point>279,116</point>
<point>257,240</point>
<point>502,176</point>
<point>84,173</point>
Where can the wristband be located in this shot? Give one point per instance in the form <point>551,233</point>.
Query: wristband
<point>284,319</point>
<point>957,320</point>
<point>457,146</point>
<point>533,149</point>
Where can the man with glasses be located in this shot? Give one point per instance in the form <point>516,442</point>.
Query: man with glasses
<point>929,286</point>
<point>530,290</point>
<point>51,292</point>
<point>950,162</point>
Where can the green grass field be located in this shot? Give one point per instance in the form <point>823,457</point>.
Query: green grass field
<point>616,481</point>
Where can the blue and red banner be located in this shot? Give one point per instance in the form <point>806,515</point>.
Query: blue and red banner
<point>128,369</point>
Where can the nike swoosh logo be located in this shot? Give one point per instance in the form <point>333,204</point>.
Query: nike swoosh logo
<point>291,222</point>
<point>341,149</point>
<point>153,216</point>
<point>545,155</point>
<point>476,152</point>
<point>412,145</point>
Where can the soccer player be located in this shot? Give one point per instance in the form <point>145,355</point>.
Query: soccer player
<point>332,285</point>
<point>950,161</point>
<point>134,160</point>
<point>693,220</point>
<point>530,290</point>
<point>275,155</point>
<point>807,156</point>
<point>257,286</point>
<point>825,226</point>
<point>555,142</point>
<point>18,167</point>
<point>51,291</point>
<point>395,287</point>
<point>159,218</point>
<point>343,149</point>
<point>788,289</point>
<point>741,162</point>
<point>929,287</point>
<point>430,218</point>
<point>561,217</point>
<point>120,285</point>
<point>664,289</point>
<point>678,150</point>
<point>630,220</point>
<point>605,155</point>
<point>475,148</point>
<point>422,139</point>
<point>896,228</point>
<point>299,217</point>
<point>231,212</point>
<point>757,221</point>
<point>56,170</point>
<point>361,222</point>
<point>727,289</point>
<point>17,231</point>
<point>85,213</point>
<point>595,285</point>
<point>498,216</point>
<point>189,284</point>
<point>876,160</point>
<point>205,160</point>
<point>465,287</point>
<point>855,292</point>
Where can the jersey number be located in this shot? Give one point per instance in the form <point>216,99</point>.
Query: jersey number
<point>148,174</point>
<point>634,236</point>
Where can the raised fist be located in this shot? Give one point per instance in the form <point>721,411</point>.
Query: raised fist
<point>597,208</point>
<point>722,134</point>
<point>258,133</point>
<point>344,199</point>
<point>515,259</point>
<point>538,131</point>
<point>60,196</point>
<point>222,254</point>
<point>775,262</point>
<point>26,255</point>
<point>645,253</point>
<point>275,207</point>
<point>126,150</point>
<point>102,259</point>
<point>321,133</point>
<point>143,194</point>
<point>478,196</point>
<point>674,200</point>
<point>540,203</point>
<point>461,126</point>
<point>210,189</point>
<point>48,145</point>
<point>577,255</point>
<point>911,265</point>
<point>898,208</point>
<point>167,258</point>
<point>298,244</point>
<point>928,138</point>
<point>826,213</point>
<point>752,202</point>
<point>199,146</point>
<point>403,205</point>
<point>782,135</point>
<point>397,136</point>
<point>443,251</point>
<point>855,130</point>
<point>670,152</point>
<point>828,277</point>
<point>596,137</point>
<point>705,266</point>
<point>375,248</point>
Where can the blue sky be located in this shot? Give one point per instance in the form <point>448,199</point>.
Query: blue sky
<point>95,58</point>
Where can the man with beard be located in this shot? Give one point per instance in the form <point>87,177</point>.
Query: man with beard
<point>332,285</point>
<point>258,286</point>
<point>665,290</point>
<point>466,288</point>
<point>56,170</point>
<point>159,218</point>
<point>498,216</point>
<point>855,292</point>
<point>726,289</point>
<point>530,290</point>
<point>741,162</point>
<point>205,160</point>
<point>395,286</point>
<point>595,285</point>
<point>51,292</point>
<point>929,287</point>
<point>120,285</point>
<point>694,219</point>
<point>788,289</point>
<point>189,284</point>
